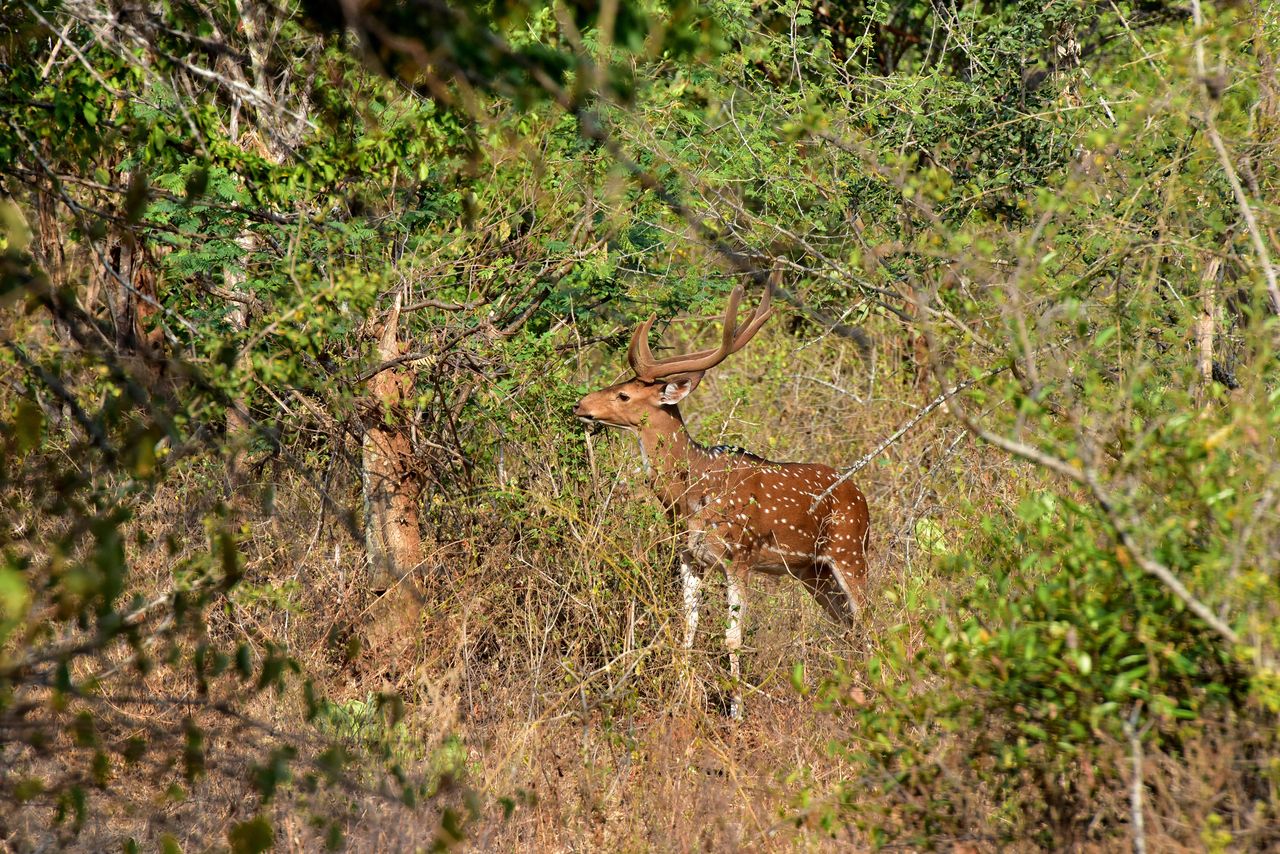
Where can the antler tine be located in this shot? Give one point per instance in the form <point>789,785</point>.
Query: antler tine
<point>746,331</point>
<point>638,355</point>
<point>741,334</point>
<point>733,338</point>
<point>702,359</point>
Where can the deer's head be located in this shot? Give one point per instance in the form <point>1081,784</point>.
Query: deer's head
<point>660,384</point>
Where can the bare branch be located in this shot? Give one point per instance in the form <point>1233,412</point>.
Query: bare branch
<point>1080,473</point>
<point>900,432</point>
<point>1211,129</point>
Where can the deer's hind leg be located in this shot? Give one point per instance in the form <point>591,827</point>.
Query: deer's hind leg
<point>823,583</point>
<point>840,571</point>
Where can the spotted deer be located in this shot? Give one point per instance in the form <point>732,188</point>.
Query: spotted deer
<point>739,511</point>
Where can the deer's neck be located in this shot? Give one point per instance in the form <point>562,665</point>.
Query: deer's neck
<point>673,458</point>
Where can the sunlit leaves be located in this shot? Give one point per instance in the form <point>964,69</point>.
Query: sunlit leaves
<point>28,424</point>
<point>14,599</point>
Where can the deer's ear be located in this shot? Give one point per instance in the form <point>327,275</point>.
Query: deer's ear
<point>677,390</point>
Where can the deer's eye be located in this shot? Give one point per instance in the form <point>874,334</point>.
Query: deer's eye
<point>623,396</point>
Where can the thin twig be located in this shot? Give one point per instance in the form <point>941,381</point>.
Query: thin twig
<point>1085,476</point>
<point>1211,130</point>
<point>1136,785</point>
<point>94,429</point>
<point>899,433</point>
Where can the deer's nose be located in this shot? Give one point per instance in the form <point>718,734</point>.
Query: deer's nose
<point>579,411</point>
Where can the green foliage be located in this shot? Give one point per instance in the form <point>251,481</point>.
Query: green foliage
<point>251,837</point>
<point>365,722</point>
<point>210,210</point>
<point>1070,639</point>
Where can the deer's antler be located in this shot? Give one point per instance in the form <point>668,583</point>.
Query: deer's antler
<point>733,339</point>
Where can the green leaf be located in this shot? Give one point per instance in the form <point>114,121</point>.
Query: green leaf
<point>27,789</point>
<point>252,837</point>
<point>28,421</point>
<point>930,537</point>
<point>135,200</point>
<point>197,184</point>
<point>193,758</point>
<point>244,662</point>
<point>797,677</point>
<point>15,597</point>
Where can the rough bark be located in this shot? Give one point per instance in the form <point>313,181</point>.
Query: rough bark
<point>393,484</point>
<point>239,434</point>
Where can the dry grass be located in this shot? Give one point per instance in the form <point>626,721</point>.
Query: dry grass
<point>550,652</point>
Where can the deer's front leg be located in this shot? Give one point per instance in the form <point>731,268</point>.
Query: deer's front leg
<point>690,594</point>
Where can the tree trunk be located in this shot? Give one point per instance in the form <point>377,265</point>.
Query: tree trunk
<point>392,486</point>
<point>239,433</point>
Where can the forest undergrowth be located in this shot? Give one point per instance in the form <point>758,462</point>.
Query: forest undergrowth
<point>547,702</point>
<point>302,548</point>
